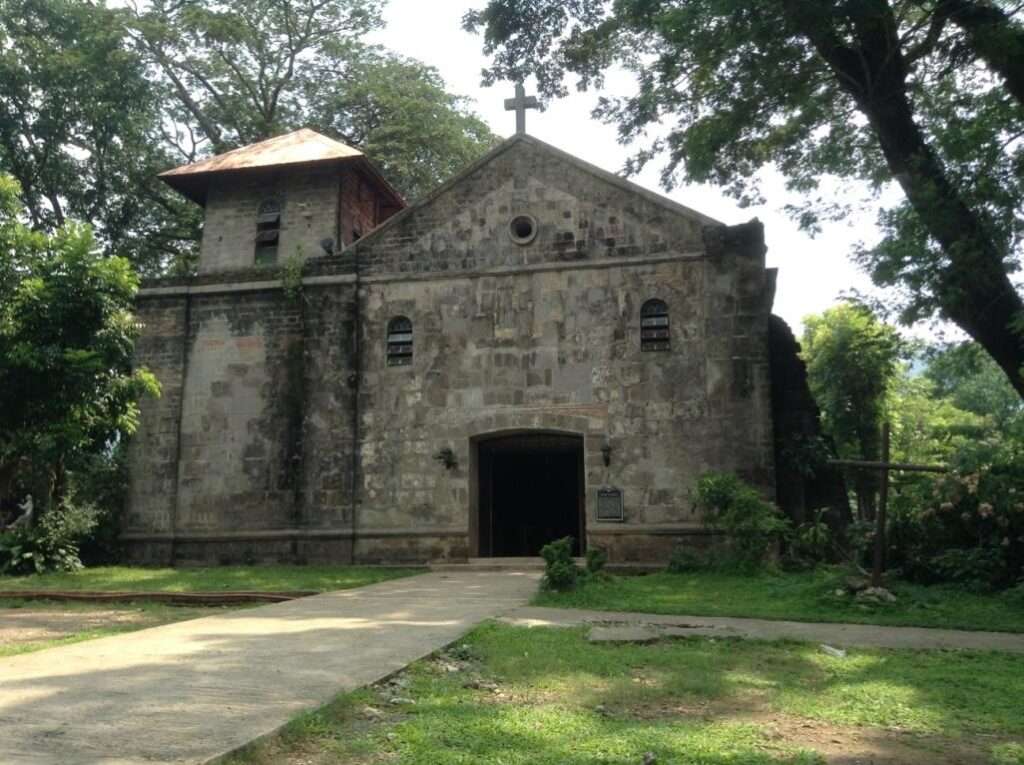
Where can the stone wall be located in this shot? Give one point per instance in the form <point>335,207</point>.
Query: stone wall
<point>359,206</point>
<point>805,482</point>
<point>153,450</point>
<point>237,445</point>
<point>252,457</point>
<point>329,393</point>
<point>545,336</point>
<point>309,207</point>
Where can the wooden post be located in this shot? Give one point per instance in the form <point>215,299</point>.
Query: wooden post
<point>884,466</point>
<point>883,503</point>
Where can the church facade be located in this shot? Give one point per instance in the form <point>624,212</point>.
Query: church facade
<point>538,349</point>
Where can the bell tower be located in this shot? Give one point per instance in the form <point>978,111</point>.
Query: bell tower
<point>298,195</point>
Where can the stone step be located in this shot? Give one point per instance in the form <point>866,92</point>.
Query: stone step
<point>535,564</point>
<point>494,564</point>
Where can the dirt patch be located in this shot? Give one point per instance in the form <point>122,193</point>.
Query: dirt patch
<point>845,745</point>
<point>838,744</point>
<point>231,598</point>
<point>19,626</point>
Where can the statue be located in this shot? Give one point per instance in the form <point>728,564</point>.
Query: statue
<point>24,520</point>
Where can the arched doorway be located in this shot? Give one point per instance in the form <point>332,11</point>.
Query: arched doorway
<point>529,492</point>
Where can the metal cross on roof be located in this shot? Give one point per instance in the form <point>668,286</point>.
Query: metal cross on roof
<point>519,105</point>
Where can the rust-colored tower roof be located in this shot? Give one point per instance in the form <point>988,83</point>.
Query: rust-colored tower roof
<point>299,147</point>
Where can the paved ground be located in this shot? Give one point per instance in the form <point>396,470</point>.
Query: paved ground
<point>648,626</point>
<point>186,692</point>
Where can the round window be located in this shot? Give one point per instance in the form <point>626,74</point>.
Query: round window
<point>522,229</point>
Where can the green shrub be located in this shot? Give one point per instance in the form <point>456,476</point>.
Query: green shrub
<point>813,540</point>
<point>965,527</point>
<point>560,570</point>
<point>809,544</point>
<point>51,545</point>
<point>978,568</point>
<point>1010,753</point>
<point>1015,595</point>
<point>750,525</point>
<point>597,559</point>
<point>860,539</point>
<point>101,480</point>
<point>686,560</point>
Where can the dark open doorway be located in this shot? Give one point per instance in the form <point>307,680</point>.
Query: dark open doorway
<point>531,492</point>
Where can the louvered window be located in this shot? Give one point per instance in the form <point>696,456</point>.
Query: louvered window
<point>654,329</point>
<point>268,231</point>
<point>399,342</point>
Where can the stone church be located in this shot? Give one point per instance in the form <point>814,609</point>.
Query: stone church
<point>537,349</point>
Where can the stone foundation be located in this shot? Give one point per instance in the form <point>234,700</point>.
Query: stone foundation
<point>297,546</point>
<point>627,546</point>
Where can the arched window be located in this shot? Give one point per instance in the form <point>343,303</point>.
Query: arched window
<point>268,230</point>
<point>654,330</point>
<point>399,342</point>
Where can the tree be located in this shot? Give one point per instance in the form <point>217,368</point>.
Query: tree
<point>852,362</point>
<point>66,335</point>
<point>964,374</point>
<point>240,71</point>
<point>927,426</point>
<point>990,33</point>
<point>79,130</point>
<point>923,93</point>
<point>398,111</point>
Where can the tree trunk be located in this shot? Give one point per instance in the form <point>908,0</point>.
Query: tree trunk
<point>864,488</point>
<point>993,36</point>
<point>58,489</point>
<point>973,289</point>
<point>8,472</point>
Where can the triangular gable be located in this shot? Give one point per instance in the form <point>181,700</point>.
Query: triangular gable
<point>581,210</point>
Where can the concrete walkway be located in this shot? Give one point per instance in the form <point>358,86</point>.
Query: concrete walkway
<point>652,626</point>
<point>190,691</point>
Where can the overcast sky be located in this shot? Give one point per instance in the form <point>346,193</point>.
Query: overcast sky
<point>812,272</point>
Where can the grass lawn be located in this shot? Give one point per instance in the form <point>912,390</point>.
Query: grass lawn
<point>514,696</point>
<point>807,597</point>
<point>33,626</point>
<point>212,579</point>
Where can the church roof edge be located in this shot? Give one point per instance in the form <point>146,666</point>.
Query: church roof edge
<point>300,147</point>
<point>297,147</point>
<point>623,183</point>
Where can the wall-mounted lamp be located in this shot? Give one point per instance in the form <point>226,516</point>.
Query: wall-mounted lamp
<point>606,453</point>
<point>447,458</point>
